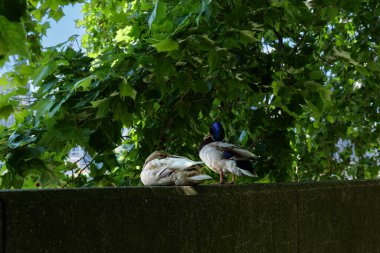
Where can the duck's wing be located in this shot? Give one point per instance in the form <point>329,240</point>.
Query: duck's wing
<point>179,162</point>
<point>156,155</point>
<point>165,172</point>
<point>184,160</point>
<point>171,164</point>
<point>232,151</point>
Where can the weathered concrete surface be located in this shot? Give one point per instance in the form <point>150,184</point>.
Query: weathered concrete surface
<point>316,217</point>
<point>340,217</point>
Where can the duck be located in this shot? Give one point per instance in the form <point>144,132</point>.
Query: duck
<point>163,169</point>
<point>224,157</point>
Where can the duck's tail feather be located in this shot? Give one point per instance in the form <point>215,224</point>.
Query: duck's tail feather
<point>198,162</point>
<point>246,168</point>
<point>245,165</point>
<point>247,173</point>
<point>200,177</point>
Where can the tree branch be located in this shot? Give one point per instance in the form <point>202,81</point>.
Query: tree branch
<point>72,170</point>
<point>280,39</point>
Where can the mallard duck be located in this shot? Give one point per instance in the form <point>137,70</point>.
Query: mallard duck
<point>161,168</point>
<point>223,157</point>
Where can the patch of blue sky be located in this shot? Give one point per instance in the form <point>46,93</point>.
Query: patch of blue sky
<point>61,31</point>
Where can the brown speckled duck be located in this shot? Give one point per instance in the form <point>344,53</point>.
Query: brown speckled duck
<point>161,168</point>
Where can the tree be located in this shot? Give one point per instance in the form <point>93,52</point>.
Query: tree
<point>288,79</point>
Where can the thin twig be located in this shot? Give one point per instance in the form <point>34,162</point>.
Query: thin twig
<point>279,37</point>
<point>85,167</point>
<point>72,169</point>
<point>76,40</point>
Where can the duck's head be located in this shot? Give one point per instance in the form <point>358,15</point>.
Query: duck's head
<point>217,131</point>
<point>216,134</point>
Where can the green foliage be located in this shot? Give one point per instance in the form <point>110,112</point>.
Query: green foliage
<point>288,79</point>
<point>21,26</point>
<point>12,31</point>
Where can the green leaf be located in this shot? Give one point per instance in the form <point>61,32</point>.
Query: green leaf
<point>123,35</point>
<point>84,83</point>
<point>6,111</point>
<point>309,144</point>
<point>276,86</point>
<point>48,177</point>
<point>4,81</point>
<point>250,35</point>
<point>57,136</point>
<point>325,93</point>
<point>166,45</point>
<point>12,38</point>
<point>346,55</point>
<point>58,106</point>
<point>103,107</point>
<point>165,69</point>
<point>6,108</point>
<point>42,73</point>
<point>42,106</point>
<point>56,14</point>
<point>97,103</point>
<point>372,66</point>
<point>126,90</point>
<point>330,119</point>
<point>213,61</point>
<point>13,10</point>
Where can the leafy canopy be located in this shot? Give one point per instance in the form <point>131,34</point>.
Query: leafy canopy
<point>288,79</point>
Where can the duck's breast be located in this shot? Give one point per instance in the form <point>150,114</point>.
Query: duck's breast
<point>212,157</point>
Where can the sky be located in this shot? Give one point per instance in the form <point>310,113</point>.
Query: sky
<point>60,31</point>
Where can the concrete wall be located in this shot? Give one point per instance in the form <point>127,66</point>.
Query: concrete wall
<point>315,217</point>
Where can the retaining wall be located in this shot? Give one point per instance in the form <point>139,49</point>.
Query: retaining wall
<point>306,217</point>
